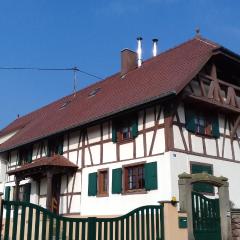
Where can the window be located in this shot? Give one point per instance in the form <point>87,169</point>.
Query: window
<point>201,122</point>
<point>124,129</point>
<point>98,183</point>
<point>102,182</point>
<point>25,155</point>
<point>134,178</point>
<point>202,187</point>
<point>124,132</point>
<point>24,192</point>
<point>55,146</point>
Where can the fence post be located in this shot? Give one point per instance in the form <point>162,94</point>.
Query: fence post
<point>172,230</point>
<point>92,221</point>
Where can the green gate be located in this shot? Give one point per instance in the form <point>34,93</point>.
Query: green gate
<point>21,220</point>
<point>206,217</point>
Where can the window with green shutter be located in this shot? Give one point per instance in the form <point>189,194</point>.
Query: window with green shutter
<point>150,176</point>
<point>125,128</point>
<point>139,177</point>
<point>92,184</point>
<point>199,121</point>
<point>134,178</point>
<point>55,146</point>
<point>117,180</point>
<point>25,155</point>
<point>202,187</point>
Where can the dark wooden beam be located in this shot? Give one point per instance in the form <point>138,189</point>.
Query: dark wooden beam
<point>236,124</point>
<point>205,77</point>
<point>212,103</point>
<point>16,190</point>
<point>49,190</point>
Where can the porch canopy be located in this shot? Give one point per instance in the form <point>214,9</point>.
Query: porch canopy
<point>39,168</point>
<point>43,167</point>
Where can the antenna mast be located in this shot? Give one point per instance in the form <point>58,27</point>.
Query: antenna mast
<point>75,70</point>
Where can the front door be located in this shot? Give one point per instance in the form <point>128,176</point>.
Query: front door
<point>56,188</point>
<point>206,217</point>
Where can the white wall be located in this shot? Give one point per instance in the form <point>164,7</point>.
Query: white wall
<point>118,204</point>
<point>3,170</point>
<point>180,162</point>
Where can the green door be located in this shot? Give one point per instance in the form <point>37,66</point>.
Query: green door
<point>206,217</point>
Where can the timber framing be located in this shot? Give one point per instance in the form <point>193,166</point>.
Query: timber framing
<point>91,146</point>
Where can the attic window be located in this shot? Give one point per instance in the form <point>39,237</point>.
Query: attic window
<point>94,92</point>
<point>64,104</point>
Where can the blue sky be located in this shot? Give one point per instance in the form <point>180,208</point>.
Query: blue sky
<point>90,35</point>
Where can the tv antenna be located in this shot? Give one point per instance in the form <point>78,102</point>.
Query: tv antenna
<point>73,69</point>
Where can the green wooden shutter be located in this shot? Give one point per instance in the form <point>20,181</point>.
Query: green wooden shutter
<point>114,132</point>
<point>190,120</point>
<point>117,180</point>
<point>150,176</point>
<point>202,187</point>
<point>7,193</point>
<point>60,148</point>
<point>19,160</point>
<point>26,192</point>
<point>135,127</point>
<point>92,184</point>
<point>215,127</point>
<point>29,155</point>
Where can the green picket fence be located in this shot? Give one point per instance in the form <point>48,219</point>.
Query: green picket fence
<point>26,221</point>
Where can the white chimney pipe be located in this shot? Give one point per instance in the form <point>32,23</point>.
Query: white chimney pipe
<point>139,51</point>
<point>155,41</point>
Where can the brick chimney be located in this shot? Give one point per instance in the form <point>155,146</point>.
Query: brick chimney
<point>128,61</point>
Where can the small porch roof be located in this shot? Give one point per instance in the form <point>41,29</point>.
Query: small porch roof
<point>38,168</point>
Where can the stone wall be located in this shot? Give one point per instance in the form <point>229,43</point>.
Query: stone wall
<point>235,224</point>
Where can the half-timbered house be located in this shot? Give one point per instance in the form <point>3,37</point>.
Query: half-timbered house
<point>122,142</point>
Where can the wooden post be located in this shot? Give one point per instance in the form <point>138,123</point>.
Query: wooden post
<point>16,191</point>
<point>168,120</point>
<point>49,190</point>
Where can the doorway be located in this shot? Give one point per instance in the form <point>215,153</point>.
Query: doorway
<point>56,188</point>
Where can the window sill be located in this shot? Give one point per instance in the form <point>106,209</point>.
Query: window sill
<point>102,195</point>
<point>137,191</point>
<point>125,141</point>
<point>209,136</point>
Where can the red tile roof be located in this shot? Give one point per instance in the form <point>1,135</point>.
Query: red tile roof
<point>169,72</point>
<point>57,160</point>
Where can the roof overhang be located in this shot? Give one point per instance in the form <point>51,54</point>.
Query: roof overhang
<point>57,164</point>
<point>162,97</point>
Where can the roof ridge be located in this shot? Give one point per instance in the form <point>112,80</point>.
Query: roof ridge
<point>169,50</point>
<point>207,41</point>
